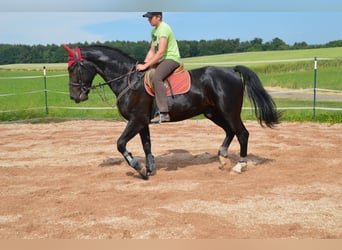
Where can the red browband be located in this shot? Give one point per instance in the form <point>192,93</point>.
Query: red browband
<point>74,55</point>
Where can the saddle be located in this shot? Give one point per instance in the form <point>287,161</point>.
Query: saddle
<point>177,83</point>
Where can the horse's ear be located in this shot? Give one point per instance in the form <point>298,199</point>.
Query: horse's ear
<point>70,51</point>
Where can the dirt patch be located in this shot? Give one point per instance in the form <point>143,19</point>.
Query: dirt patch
<point>67,180</point>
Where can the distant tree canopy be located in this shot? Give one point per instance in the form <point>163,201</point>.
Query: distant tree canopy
<point>13,54</point>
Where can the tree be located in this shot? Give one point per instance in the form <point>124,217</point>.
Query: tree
<point>256,45</point>
<point>336,43</point>
<point>277,44</point>
<point>52,53</point>
<point>300,45</point>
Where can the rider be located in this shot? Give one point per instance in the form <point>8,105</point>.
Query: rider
<point>164,55</point>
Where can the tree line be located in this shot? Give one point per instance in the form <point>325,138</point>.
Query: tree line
<point>13,54</point>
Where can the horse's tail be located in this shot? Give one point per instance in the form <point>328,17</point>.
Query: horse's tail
<point>264,106</point>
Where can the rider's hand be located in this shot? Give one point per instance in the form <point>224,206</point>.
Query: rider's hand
<point>141,67</point>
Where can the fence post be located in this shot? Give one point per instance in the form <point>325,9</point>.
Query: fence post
<point>45,92</point>
<point>314,96</point>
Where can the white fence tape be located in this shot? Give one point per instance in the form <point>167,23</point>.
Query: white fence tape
<point>83,108</point>
<point>17,110</point>
<point>30,77</point>
<point>22,93</point>
<point>109,108</point>
<point>300,108</point>
<point>305,90</point>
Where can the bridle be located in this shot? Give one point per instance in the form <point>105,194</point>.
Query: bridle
<point>78,59</point>
<point>84,87</point>
<point>80,84</point>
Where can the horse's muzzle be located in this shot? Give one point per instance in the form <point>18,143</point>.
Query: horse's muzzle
<point>79,97</point>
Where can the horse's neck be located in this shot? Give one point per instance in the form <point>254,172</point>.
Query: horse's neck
<point>115,69</point>
<point>110,64</point>
<point>116,74</point>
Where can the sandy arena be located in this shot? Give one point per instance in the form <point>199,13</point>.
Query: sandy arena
<point>67,181</point>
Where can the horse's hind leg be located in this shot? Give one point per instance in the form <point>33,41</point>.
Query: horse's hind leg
<point>223,150</point>
<point>232,127</point>
<point>242,135</point>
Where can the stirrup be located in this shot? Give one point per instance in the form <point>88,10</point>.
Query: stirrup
<point>160,117</point>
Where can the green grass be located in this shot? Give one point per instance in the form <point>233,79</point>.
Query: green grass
<point>32,105</point>
<point>288,75</point>
<point>289,112</point>
<point>249,58</point>
<point>328,77</point>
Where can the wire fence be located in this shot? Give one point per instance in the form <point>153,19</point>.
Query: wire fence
<point>43,90</point>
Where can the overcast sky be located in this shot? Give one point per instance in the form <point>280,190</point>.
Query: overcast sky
<point>64,21</point>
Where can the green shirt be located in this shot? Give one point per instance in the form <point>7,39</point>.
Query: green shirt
<point>172,51</point>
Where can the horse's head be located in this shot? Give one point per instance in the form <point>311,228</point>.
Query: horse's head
<point>81,75</point>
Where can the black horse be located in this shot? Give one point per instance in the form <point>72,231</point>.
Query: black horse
<point>216,92</point>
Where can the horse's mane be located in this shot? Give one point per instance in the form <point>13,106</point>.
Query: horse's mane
<point>111,51</point>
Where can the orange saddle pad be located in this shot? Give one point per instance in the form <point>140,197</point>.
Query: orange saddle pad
<point>179,80</point>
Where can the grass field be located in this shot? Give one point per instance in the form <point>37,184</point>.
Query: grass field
<point>23,98</point>
<point>249,58</point>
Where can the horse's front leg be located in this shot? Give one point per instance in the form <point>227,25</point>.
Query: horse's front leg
<point>146,143</point>
<point>130,131</point>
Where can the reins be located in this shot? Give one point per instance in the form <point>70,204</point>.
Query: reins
<point>75,56</point>
<point>85,88</point>
<point>100,85</point>
<point>123,92</point>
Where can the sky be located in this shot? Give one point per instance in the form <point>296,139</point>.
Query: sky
<point>44,22</point>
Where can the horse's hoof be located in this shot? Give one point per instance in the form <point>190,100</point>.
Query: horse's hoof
<point>143,173</point>
<point>239,168</point>
<point>151,173</point>
<point>223,161</point>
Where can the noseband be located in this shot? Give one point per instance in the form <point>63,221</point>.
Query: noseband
<point>80,84</point>
<point>77,58</point>
<point>85,87</point>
